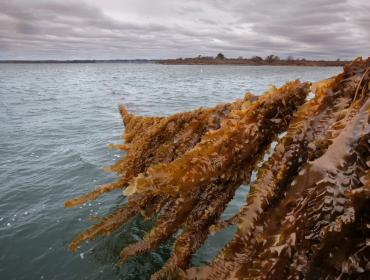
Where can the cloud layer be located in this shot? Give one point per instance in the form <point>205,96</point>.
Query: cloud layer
<point>65,29</point>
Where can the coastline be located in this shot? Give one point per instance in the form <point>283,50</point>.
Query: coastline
<point>250,62</point>
<point>195,61</point>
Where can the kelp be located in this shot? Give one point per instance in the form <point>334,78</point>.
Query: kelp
<point>309,123</point>
<point>151,140</point>
<point>158,134</point>
<point>172,219</point>
<point>252,251</point>
<point>239,136</point>
<point>307,213</point>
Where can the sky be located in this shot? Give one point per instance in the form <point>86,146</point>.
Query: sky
<point>155,29</point>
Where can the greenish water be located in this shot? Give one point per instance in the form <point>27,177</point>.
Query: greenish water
<point>55,123</point>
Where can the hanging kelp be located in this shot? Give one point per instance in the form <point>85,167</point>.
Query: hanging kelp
<point>152,140</point>
<point>307,213</point>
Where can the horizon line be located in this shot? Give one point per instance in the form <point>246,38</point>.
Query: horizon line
<point>159,59</point>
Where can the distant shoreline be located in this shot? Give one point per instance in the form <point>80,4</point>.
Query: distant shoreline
<point>197,61</point>
<point>252,62</point>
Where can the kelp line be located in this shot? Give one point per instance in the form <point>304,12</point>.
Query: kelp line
<point>307,213</point>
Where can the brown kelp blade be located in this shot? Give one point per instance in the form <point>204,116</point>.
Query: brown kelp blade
<point>210,116</point>
<point>94,194</point>
<point>195,231</point>
<point>113,221</point>
<point>320,188</point>
<point>159,140</point>
<point>309,124</point>
<point>261,247</point>
<point>136,125</point>
<point>212,202</point>
<point>167,225</point>
<point>235,139</point>
<point>173,133</point>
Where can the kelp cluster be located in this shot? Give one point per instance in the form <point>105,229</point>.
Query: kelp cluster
<point>307,213</point>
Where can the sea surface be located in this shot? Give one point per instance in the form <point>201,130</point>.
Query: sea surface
<point>55,123</point>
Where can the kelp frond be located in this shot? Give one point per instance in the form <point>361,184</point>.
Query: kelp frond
<point>239,136</point>
<point>153,140</point>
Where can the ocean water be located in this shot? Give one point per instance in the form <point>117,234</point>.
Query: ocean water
<point>55,123</point>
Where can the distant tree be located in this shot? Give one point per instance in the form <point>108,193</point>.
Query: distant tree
<point>338,59</point>
<point>290,58</point>
<point>240,57</point>
<point>271,58</point>
<point>220,56</point>
<point>257,58</point>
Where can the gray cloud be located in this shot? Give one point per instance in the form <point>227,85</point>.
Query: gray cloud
<point>66,29</point>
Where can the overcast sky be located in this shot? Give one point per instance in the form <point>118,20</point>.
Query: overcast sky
<point>110,29</point>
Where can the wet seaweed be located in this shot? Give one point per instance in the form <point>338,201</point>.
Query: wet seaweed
<point>307,213</point>
<point>239,136</point>
<point>152,140</point>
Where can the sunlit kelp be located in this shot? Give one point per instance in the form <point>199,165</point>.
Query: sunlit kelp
<point>261,247</point>
<point>309,197</point>
<point>213,198</point>
<point>308,124</point>
<point>151,140</point>
<point>238,138</point>
<point>210,119</point>
<point>161,140</point>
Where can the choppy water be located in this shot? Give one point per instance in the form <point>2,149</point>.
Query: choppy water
<point>55,123</point>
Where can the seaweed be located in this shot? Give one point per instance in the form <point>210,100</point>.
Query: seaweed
<point>239,137</point>
<point>307,213</point>
<point>152,140</point>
